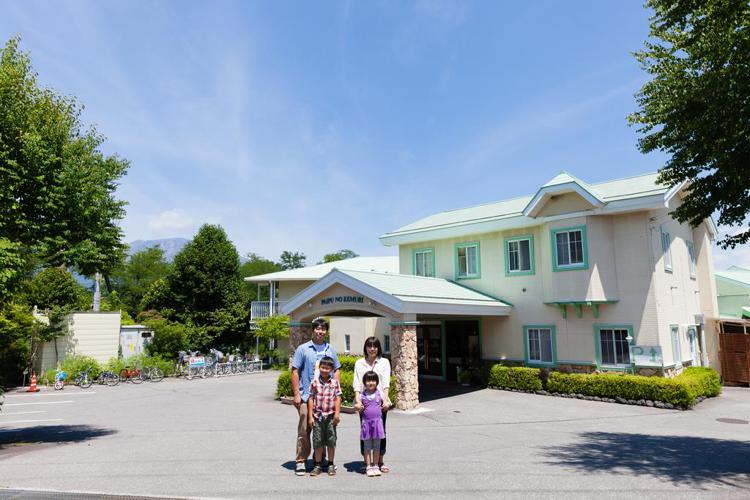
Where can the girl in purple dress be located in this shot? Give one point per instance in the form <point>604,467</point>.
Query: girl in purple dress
<point>372,422</point>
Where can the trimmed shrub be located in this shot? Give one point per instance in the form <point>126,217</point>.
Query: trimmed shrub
<point>680,391</point>
<point>347,363</point>
<point>284,387</point>
<point>706,381</point>
<point>525,379</point>
<point>284,384</point>
<point>48,377</point>
<point>74,365</point>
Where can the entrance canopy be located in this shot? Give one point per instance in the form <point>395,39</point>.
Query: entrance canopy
<point>398,294</point>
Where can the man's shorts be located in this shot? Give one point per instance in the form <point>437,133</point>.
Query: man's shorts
<point>324,433</point>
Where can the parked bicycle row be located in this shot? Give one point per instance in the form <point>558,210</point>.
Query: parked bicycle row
<point>215,364</point>
<point>84,380</point>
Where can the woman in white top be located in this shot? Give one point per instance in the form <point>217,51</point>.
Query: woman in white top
<point>373,361</point>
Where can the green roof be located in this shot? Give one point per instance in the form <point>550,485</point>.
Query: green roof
<point>630,188</point>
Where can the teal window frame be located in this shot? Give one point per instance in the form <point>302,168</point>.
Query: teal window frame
<point>598,327</point>
<point>506,244</point>
<point>414,261</point>
<point>691,257</point>
<point>666,250</point>
<point>584,246</point>
<point>476,275</point>
<point>674,337</point>
<point>553,341</point>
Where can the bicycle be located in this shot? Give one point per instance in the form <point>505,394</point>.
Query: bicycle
<point>152,374</point>
<point>109,378</point>
<point>83,380</point>
<point>133,375</point>
<point>60,378</point>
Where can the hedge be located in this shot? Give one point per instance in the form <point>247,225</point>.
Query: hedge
<point>681,391</point>
<point>284,387</point>
<point>507,377</point>
<point>347,362</point>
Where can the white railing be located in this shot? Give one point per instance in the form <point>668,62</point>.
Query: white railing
<point>261,309</point>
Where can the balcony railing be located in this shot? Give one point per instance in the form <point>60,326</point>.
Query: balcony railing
<point>261,309</point>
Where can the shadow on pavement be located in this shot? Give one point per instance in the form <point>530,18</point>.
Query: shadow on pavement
<point>680,459</point>
<point>430,390</point>
<point>51,434</point>
<point>355,466</point>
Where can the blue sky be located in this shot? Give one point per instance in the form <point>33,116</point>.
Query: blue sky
<point>314,126</point>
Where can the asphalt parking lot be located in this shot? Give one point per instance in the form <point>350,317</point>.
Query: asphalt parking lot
<point>228,438</point>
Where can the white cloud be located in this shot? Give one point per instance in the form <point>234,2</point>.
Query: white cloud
<point>170,220</point>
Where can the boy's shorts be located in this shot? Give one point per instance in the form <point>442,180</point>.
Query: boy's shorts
<point>324,433</point>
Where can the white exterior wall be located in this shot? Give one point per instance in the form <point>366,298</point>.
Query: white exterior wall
<point>624,265</point>
<point>89,334</point>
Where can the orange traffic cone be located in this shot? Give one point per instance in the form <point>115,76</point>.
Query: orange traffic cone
<point>33,387</point>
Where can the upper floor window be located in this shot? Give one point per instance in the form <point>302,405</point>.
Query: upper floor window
<point>424,262</point>
<point>386,343</point>
<point>467,260</point>
<point>519,255</point>
<point>666,251</point>
<point>691,257</point>
<point>569,248</point>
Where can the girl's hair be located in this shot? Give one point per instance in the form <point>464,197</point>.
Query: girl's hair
<point>373,341</point>
<point>371,375</point>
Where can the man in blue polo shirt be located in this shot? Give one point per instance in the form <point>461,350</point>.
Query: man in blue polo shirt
<point>304,370</point>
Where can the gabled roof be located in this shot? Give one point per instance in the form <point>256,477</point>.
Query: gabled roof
<point>405,294</point>
<point>562,183</point>
<point>619,195</point>
<point>311,273</point>
<point>736,274</point>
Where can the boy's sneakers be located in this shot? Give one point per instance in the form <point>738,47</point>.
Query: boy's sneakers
<point>331,470</point>
<point>316,470</point>
<point>299,469</point>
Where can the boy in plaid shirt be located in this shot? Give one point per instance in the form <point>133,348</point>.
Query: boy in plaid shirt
<point>324,406</point>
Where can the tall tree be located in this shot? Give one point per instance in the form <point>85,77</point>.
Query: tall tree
<point>292,260</point>
<point>697,106</point>
<point>340,255</point>
<point>207,291</point>
<point>56,187</point>
<point>132,279</point>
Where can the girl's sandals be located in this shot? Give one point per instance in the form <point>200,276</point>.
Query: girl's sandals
<point>370,471</point>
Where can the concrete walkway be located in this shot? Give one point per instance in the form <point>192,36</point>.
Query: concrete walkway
<point>228,438</point>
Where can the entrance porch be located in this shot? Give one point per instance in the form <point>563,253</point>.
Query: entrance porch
<point>434,323</point>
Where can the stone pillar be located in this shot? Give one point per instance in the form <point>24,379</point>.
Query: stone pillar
<point>299,333</point>
<point>404,359</point>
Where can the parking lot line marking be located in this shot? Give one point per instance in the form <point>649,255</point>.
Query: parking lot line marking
<point>38,403</point>
<point>30,421</point>
<point>22,413</point>
<point>53,394</point>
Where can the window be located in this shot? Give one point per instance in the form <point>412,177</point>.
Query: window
<point>691,257</point>
<point>569,248</point>
<point>676,354</point>
<point>386,343</point>
<point>519,255</point>
<point>424,262</point>
<point>540,344</point>
<point>467,260</point>
<point>614,345</point>
<point>347,343</point>
<point>666,252</point>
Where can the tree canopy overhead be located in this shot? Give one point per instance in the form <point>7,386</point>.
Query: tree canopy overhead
<point>696,108</point>
<point>292,260</point>
<point>57,189</point>
<point>340,255</point>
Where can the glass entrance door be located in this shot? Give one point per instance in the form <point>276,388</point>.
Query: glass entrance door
<point>430,350</point>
